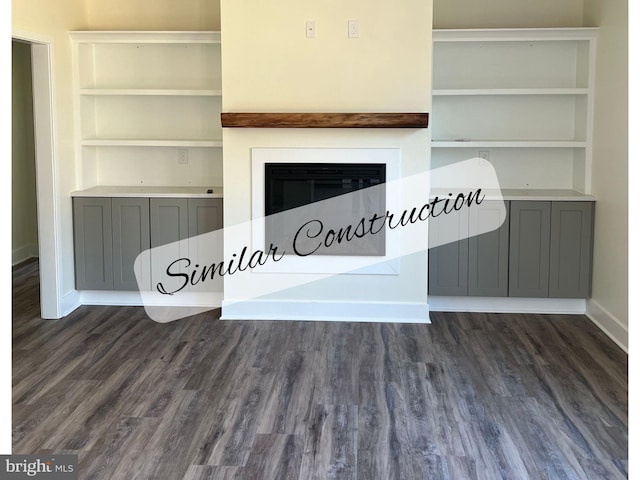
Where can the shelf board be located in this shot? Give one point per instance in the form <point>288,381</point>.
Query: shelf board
<point>514,34</point>
<point>144,191</point>
<point>150,91</point>
<point>452,92</point>
<point>166,37</point>
<point>509,144</point>
<point>122,142</point>
<point>557,194</point>
<point>325,120</point>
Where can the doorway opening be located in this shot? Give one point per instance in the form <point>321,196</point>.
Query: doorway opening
<point>45,243</point>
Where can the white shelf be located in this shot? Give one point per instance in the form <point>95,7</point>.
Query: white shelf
<point>508,144</point>
<point>452,92</point>
<point>149,91</point>
<point>514,34</point>
<point>125,142</point>
<point>142,96</point>
<point>151,192</point>
<point>163,37</point>
<point>535,194</point>
<point>523,95</point>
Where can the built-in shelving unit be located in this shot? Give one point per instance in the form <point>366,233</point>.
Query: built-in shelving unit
<point>148,108</point>
<point>522,96</point>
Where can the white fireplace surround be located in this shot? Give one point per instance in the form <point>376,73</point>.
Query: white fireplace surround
<point>327,264</point>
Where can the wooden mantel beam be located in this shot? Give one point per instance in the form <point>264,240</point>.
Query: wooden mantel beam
<point>325,120</point>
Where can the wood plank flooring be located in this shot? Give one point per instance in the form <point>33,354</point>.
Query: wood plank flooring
<point>471,396</point>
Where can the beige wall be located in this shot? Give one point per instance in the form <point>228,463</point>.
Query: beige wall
<point>269,65</point>
<point>24,233</point>
<point>53,20</point>
<point>153,14</point>
<point>506,13</point>
<point>609,304</point>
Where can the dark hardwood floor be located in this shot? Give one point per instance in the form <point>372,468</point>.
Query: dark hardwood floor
<point>471,396</point>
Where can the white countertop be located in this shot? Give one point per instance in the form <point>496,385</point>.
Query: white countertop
<point>201,192</point>
<point>523,194</point>
<point>141,191</point>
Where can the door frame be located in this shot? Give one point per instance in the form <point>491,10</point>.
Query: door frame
<point>47,191</point>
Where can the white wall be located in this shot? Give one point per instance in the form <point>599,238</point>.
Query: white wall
<point>609,303</point>
<point>270,66</point>
<point>24,232</point>
<point>506,13</point>
<point>153,14</point>
<point>53,20</point>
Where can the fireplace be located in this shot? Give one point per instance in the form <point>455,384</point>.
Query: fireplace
<point>336,211</point>
<point>289,186</point>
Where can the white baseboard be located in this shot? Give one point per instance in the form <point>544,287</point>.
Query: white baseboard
<point>401,312</point>
<point>609,324</point>
<point>24,253</point>
<point>69,303</point>
<point>158,307</point>
<point>155,299</point>
<point>108,297</point>
<point>574,306</point>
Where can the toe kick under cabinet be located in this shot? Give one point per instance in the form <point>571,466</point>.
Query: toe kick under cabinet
<point>110,233</point>
<point>542,250</point>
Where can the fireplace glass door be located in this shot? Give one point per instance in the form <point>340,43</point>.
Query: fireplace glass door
<point>325,208</point>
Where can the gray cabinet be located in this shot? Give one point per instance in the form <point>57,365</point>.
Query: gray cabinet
<point>205,215</point>
<point>130,227</point>
<point>571,249</point>
<point>110,233</point>
<point>472,266</point>
<point>449,262</point>
<point>529,249</point>
<point>169,220</point>
<point>543,250</point>
<point>174,219</point>
<point>448,269</point>
<point>93,243</point>
<point>489,252</point>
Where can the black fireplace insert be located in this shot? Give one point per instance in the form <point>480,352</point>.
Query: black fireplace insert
<point>292,185</point>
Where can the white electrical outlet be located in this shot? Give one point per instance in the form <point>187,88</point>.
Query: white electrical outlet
<point>354,29</point>
<point>483,154</point>
<point>311,29</point>
<point>183,156</point>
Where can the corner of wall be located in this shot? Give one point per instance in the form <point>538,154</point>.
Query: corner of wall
<point>609,324</point>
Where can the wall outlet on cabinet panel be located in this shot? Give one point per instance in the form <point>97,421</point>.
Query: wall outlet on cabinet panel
<point>354,29</point>
<point>484,155</point>
<point>183,156</point>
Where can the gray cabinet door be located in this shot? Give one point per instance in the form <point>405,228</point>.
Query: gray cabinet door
<point>449,263</point>
<point>130,217</point>
<point>529,249</point>
<point>170,231</point>
<point>571,249</point>
<point>489,252</point>
<point>169,220</point>
<point>93,243</point>
<point>205,215</point>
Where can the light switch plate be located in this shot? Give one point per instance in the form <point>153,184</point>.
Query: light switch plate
<point>354,29</point>
<point>311,29</point>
